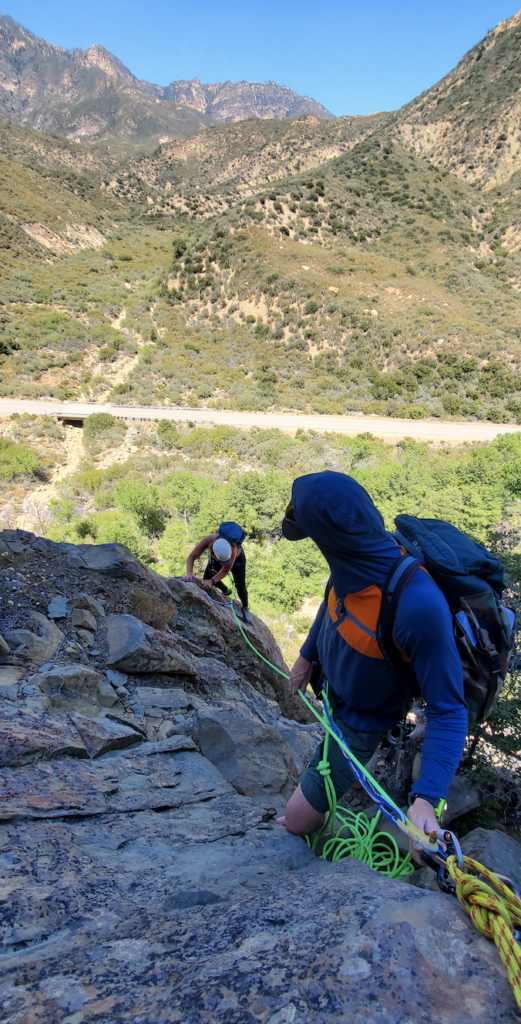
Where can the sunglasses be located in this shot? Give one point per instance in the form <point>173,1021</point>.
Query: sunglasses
<point>290,530</point>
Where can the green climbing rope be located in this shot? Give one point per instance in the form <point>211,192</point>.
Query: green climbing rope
<point>355,835</point>
<point>351,835</point>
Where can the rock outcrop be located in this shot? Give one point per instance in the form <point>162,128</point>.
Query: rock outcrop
<point>141,769</point>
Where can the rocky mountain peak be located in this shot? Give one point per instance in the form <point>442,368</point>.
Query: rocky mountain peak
<point>237,101</point>
<point>98,56</point>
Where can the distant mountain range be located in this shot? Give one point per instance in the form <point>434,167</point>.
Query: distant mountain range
<point>365,264</point>
<point>89,95</point>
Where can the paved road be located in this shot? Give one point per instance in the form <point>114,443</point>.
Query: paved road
<point>433,430</point>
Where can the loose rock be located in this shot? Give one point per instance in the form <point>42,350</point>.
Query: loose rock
<point>250,754</point>
<point>82,619</point>
<point>88,603</point>
<point>130,651</point>
<point>496,851</point>
<point>101,734</point>
<point>76,688</point>
<point>463,796</point>
<point>27,736</point>
<point>36,649</point>
<point>57,608</point>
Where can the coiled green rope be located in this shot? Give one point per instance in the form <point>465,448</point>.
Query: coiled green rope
<point>355,835</point>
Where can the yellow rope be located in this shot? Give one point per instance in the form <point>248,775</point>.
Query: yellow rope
<point>494,913</point>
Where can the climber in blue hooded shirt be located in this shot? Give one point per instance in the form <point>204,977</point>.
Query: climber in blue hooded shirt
<point>368,693</point>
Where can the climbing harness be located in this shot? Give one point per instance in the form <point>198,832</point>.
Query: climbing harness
<point>492,901</point>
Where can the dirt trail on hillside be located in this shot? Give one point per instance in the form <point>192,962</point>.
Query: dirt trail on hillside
<point>34,513</point>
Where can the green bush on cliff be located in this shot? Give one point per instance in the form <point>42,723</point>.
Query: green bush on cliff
<point>17,461</point>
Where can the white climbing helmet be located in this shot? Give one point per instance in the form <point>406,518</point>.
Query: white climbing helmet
<point>222,550</point>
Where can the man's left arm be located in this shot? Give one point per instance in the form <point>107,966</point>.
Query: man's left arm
<point>424,631</point>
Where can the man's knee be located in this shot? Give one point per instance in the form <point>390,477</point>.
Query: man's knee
<point>300,818</point>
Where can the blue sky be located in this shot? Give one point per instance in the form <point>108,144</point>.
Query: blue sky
<point>353,57</point>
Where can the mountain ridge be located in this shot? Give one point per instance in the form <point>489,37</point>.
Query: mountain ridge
<point>296,264</point>
<point>91,95</point>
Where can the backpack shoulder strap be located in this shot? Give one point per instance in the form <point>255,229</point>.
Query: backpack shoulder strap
<point>394,586</point>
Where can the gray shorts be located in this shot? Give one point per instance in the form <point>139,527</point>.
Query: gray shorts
<point>363,745</point>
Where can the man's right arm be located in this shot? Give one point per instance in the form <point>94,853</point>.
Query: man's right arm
<point>309,649</point>
<point>302,670</point>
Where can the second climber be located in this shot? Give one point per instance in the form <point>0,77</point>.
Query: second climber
<point>225,555</point>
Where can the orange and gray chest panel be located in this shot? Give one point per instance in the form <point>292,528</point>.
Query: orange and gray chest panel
<point>357,619</point>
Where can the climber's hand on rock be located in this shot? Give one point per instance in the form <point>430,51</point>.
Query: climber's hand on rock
<point>207,584</point>
<point>300,674</point>
<point>421,813</point>
<point>189,578</point>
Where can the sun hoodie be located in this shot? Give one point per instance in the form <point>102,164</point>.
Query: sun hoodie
<point>340,517</point>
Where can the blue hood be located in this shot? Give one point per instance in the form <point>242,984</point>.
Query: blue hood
<point>343,521</point>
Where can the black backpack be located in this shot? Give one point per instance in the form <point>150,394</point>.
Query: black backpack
<point>472,580</point>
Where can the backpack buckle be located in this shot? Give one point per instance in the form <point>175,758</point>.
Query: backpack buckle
<point>494,660</point>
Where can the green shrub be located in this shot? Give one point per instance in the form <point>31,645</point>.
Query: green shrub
<point>86,528</point>
<point>167,433</point>
<point>451,404</point>
<point>141,500</point>
<point>102,430</point>
<point>17,461</point>
<point>116,527</point>
<point>97,423</point>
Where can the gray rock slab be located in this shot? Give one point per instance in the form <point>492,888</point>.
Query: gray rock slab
<point>249,753</point>
<point>57,608</point>
<point>41,545</point>
<point>300,740</point>
<point>209,628</point>
<point>217,673</point>
<point>76,688</point>
<point>8,692</point>
<point>76,561</point>
<point>9,678</point>
<point>116,678</point>
<point>162,697</point>
<point>121,781</point>
<point>16,547</point>
<point>36,649</point>
<point>116,560</point>
<point>126,942</point>
<point>27,735</point>
<point>496,851</point>
<point>170,745</point>
<point>101,734</point>
<point>132,721</point>
<point>86,635</point>
<point>83,619</point>
<point>4,646</point>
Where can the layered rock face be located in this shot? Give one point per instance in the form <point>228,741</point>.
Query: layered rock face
<point>143,764</point>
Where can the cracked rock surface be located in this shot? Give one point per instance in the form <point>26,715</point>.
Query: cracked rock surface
<point>144,878</point>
